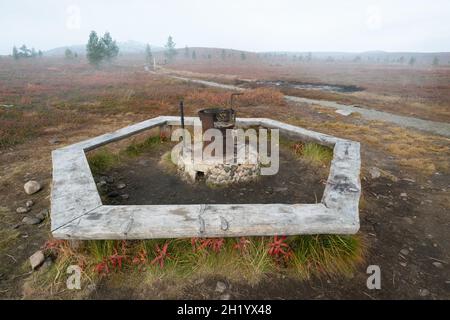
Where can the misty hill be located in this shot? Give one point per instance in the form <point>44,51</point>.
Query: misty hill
<point>127,47</point>
<point>368,56</point>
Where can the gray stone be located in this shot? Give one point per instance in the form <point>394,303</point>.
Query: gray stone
<point>375,172</point>
<point>221,287</point>
<point>107,179</point>
<point>125,196</point>
<point>42,215</point>
<point>32,187</point>
<point>101,185</point>
<point>37,259</point>
<point>404,252</point>
<point>344,112</point>
<point>438,265</point>
<point>29,203</point>
<point>121,186</point>
<point>31,220</point>
<point>225,296</point>
<point>403,195</point>
<point>113,194</point>
<point>47,263</point>
<point>22,209</point>
<point>54,140</point>
<point>424,292</point>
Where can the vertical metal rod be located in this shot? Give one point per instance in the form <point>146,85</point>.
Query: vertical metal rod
<point>182,113</point>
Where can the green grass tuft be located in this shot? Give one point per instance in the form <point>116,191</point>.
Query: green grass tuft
<point>102,160</point>
<point>317,154</point>
<point>312,255</point>
<point>137,148</point>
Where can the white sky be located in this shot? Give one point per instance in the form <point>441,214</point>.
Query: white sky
<point>255,25</point>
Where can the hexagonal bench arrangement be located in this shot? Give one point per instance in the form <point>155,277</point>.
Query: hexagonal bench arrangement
<point>77,211</point>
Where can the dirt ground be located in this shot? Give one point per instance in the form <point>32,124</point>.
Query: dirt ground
<point>405,213</point>
<point>296,182</point>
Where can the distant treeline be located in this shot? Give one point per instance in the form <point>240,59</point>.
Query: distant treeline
<point>24,52</point>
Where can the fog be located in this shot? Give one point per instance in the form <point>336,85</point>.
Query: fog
<point>256,25</point>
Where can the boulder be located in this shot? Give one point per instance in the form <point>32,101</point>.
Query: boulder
<point>32,187</point>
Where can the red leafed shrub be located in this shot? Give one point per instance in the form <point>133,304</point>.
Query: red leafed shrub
<point>141,259</point>
<point>242,244</point>
<point>280,249</point>
<point>116,260</point>
<point>215,244</point>
<point>102,268</point>
<point>53,245</point>
<point>161,255</point>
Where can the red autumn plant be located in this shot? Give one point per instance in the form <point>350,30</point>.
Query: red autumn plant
<point>117,259</point>
<point>242,244</point>
<point>141,259</point>
<point>102,268</point>
<point>161,255</point>
<point>298,148</point>
<point>53,245</point>
<point>215,244</point>
<point>279,249</point>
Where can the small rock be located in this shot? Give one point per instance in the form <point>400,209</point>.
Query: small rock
<point>344,112</point>
<point>121,186</point>
<point>54,140</point>
<point>225,296</point>
<point>29,203</point>
<point>37,259</point>
<point>22,210</point>
<point>32,187</point>
<point>438,265</point>
<point>375,172</point>
<point>125,196</point>
<point>113,194</point>
<point>31,220</point>
<point>280,189</point>
<point>403,195</point>
<point>424,292</point>
<point>199,281</point>
<point>42,215</point>
<point>404,252</point>
<point>101,185</point>
<point>220,287</point>
<point>403,264</point>
<point>47,263</point>
<point>107,179</point>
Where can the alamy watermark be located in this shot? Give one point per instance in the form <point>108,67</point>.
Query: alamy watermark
<point>232,146</point>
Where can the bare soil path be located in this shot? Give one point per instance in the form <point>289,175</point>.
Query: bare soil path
<point>440,128</point>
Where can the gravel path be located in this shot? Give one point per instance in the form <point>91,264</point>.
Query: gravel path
<point>440,128</point>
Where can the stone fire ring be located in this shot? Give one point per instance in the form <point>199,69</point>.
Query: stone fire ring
<point>77,211</point>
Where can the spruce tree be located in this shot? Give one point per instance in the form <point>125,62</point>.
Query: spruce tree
<point>148,54</point>
<point>111,50</point>
<point>94,49</point>
<point>15,53</point>
<point>170,52</point>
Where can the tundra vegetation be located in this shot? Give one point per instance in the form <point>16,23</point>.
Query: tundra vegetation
<point>51,102</point>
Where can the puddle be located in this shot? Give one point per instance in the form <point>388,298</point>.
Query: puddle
<point>312,86</point>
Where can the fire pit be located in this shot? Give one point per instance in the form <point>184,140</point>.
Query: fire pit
<point>77,211</point>
<point>223,168</point>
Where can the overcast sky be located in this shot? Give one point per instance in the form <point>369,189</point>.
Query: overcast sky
<point>255,25</point>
